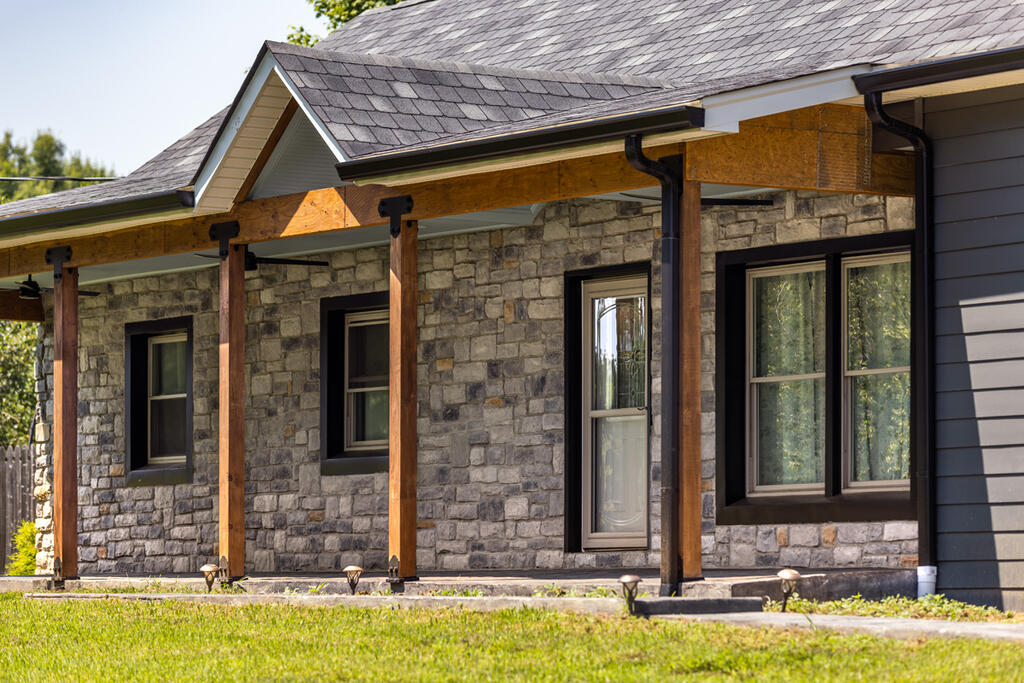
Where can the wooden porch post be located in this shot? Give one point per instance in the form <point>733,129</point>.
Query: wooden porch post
<point>689,383</point>
<point>402,401</point>
<point>65,423</point>
<point>232,411</point>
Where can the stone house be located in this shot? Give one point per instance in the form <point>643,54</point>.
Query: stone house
<point>693,298</point>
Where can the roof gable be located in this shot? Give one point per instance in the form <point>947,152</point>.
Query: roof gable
<point>374,103</point>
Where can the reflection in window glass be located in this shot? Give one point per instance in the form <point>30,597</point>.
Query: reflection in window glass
<point>168,398</point>
<point>366,380</point>
<point>620,352</point>
<point>878,368</point>
<point>788,375</point>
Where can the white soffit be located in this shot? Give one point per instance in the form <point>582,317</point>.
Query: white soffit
<point>724,112</point>
<point>247,132</point>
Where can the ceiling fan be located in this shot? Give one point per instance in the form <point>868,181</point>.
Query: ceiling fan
<point>31,290</point>
<point>252,261</point>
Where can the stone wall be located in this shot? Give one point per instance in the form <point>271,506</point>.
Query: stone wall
<point>491,405</point>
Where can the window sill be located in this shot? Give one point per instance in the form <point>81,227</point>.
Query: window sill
<point>871,506</point>
<point>160,475</point>
<point>364,463</point>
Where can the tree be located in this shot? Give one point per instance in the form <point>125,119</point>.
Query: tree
<point>43,156</point>
<point>337,13</point>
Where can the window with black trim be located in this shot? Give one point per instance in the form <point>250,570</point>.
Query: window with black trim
<point>158,371</point>
<point>607,407</point>
<point>354,356</point>
<point>813,388</point>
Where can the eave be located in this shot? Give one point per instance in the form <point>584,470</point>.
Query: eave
<point>155,205</point>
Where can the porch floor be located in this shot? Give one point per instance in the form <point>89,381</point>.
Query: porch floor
<point>717,583</point>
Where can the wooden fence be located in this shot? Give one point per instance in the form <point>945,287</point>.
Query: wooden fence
<point>16,503</point>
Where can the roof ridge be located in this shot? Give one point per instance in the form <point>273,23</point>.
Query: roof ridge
<point>381,59</point>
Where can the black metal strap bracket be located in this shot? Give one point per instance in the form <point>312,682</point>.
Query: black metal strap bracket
<point>57,257</point>
<point>222,233</point>
<point>394,208</point>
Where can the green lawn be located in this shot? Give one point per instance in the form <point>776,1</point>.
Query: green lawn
<point>112,640</point>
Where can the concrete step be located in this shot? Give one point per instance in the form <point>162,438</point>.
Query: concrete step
<point>660,606</point>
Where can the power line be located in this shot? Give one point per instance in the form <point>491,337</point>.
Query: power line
<point>27,178</point>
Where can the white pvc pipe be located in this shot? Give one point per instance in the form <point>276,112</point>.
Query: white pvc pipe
<point>926,580</point>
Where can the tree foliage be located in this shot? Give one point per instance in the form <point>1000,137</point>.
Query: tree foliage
<point>23,562</point>
<point>337,12</point>
<point>44,155</point>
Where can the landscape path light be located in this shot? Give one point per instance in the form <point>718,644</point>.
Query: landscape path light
<point>353,573</point>
<point>789,580</point>
<point>630,583</point>
<point>210,572</point>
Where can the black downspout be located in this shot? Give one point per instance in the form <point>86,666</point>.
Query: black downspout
<point>670,175</point>
<point>923,310</point>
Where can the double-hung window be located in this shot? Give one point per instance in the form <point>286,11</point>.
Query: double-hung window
<point>813,380</point>
<point>158,401</point>
<point>366,380</point>
<point>168,398</point>
<point>354,372</point>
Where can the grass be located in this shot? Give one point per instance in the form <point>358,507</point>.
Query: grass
<point>118,640</point>
<point>928,607</point>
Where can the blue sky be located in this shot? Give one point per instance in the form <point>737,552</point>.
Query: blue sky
<point>121,80</point>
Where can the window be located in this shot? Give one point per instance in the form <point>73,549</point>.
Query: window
<point>366,380</point>
<point>876,372</point>
<point>168,398</point>
<point>607,343</point>
<point>354,361</point>
<point>615,412</point>
<point>158,405</point>
<point>813,387</point>
<point>786,438</point>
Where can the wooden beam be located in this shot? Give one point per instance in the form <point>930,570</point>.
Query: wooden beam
<point>402,440</point>
<point>689,383</point>
<point>14,308</point>
<point>268,149</point>
<point>823,148</point>
<point>65,423</point>
<point>231,493</point>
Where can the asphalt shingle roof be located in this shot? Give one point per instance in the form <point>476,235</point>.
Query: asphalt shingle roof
<point>681,40</point>
<point>374,103</point>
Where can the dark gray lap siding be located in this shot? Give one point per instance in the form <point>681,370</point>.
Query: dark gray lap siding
<point>979,266</point>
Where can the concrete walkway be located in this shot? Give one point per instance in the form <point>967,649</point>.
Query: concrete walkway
<point>890,627</point>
